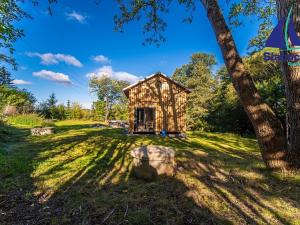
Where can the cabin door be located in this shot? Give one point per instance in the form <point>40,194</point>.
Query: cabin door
<point>145,120</point>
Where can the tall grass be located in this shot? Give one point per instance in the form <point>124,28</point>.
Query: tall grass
<point>28,120</point>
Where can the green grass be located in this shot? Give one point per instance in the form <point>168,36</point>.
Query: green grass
<point>81,175</point>
<point>28,120</point>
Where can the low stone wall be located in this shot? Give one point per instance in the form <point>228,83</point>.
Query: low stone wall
<point>118,124</point>
<point>39,131</point>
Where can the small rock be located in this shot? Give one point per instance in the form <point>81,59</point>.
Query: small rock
<point>39,131</point>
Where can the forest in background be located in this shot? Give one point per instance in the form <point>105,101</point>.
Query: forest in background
<point>212,105</point>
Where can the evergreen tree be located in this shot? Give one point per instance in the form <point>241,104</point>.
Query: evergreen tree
<point>5,77</point>
<point>51,102</point>
<point>68,110</point>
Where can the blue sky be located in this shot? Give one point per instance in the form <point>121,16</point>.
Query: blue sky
<point>59,53</point>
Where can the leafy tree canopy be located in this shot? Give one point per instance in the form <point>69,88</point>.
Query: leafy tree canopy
<point>10,12</point>
<point>197,76</point>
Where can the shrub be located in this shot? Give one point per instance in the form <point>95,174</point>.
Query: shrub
<point>3,130</point>
<point>29,120</point>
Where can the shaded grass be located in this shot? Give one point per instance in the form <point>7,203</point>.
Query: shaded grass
<point>81,175</point>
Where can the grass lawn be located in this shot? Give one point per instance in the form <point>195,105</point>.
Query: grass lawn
<point>81,175</point>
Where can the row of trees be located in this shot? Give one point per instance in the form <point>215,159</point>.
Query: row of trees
<point>73,110</point>
<point>111,103</point>
<point>213,105</point>
<point>51,110</point>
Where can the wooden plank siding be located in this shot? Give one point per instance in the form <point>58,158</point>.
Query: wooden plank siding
<point>166,96</point>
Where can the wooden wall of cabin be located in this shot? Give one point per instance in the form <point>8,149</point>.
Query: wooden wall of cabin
<point>168,99</point>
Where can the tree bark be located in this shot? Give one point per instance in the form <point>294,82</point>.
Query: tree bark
<point>268,128</point>
<point>291,77</point>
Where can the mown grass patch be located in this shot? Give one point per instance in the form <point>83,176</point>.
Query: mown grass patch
<point>82,175</point>
<point>29,120</point>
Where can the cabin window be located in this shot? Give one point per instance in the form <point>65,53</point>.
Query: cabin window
<point>159,84</point>
<point>163,85</point>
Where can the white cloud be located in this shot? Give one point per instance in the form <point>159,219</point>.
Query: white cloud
<point>21,82</point>
<point>86,105</point>
<point>50,58</point>
<point>76,16</point>
<point>101,59</point>
<point>109,72</point>
<point>53,76</point>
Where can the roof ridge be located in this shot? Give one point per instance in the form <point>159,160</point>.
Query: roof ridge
<point>151,76</point>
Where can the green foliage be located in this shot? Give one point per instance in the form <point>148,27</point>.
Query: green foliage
<point>98,110</point>
<point>10,13</point>
<point>213,104</point>
<point>49,108</point>
<point>198,77</point>
<point>51,102</point>
<point>4,131</point>
<point>5,77</point>
<point>76,111</point>
<point>22,99</point>
<point>225,112</point>
<point>152,11</point>
<point>264,11</point>
<point>107,88</point>
<point>109,91</point>
<point>68,110</point>
<point>60,112</point>
<point>119,112</point>
<point>28,120</point>
<point>267,77</point>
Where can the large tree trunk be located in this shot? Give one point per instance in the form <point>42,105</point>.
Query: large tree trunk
<point>291,77</point>
<point>268,128</point>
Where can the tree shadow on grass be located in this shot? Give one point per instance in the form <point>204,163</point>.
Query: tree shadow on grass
<point>81,175</point>
<point>86,180</point>
<point>245,189</point>
<point>233,172</point>
<point>112,196</point>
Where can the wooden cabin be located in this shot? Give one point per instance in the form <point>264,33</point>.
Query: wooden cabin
<point>157,103</point>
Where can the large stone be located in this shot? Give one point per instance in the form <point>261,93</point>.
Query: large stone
<point>10,110</point>
<point>39,131</point>
<point>151,161</point>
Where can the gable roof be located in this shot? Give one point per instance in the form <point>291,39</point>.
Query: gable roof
<point>126,90</point>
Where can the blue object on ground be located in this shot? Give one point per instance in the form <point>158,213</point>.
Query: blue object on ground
<point>164,133</point>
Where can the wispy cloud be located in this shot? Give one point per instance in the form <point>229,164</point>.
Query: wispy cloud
<point>50,58</point>
<point>21,82</point>
<point>53,76</point>
<point>109,72</point>
<point>76,16</point>
<point>101,59</point>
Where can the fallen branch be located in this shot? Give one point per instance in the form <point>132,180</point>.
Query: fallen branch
<point>125,214</point>
<point>108,215</point>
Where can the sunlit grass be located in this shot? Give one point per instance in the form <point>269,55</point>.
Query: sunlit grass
<point>84,173</point>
